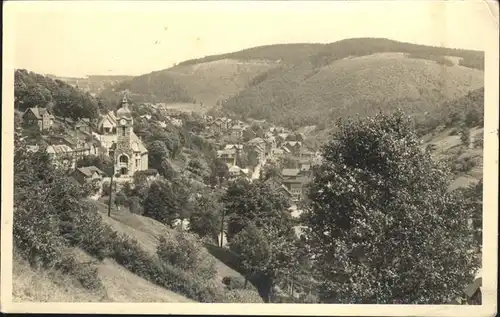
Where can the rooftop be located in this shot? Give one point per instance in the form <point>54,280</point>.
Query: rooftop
<point>290,172</point>
<point>39,112</point>
<point>89,170</point>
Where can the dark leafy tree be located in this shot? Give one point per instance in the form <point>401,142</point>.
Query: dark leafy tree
<point>173,142</point>
<point>265,255</point>
<point>168,200</point>
<point>157,153</point>
<point>254,202</point>
<point>102,162</point>
<point>206,217</point>
<point>252,158</point>
<point>465,135</point>
<point>219,172</point>
<point>387,194</point>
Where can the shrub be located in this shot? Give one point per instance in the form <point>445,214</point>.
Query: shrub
<point>241,296</point>
<point>463,165</point>
<point>183,251</point>
<point>37,237</point>
<point>105,188</point>
<point>478,141</point>
<point>135,205</point>
<point>189,283</point>
<point>120,199</point>
<point>85,273</point>
<point>309,299</point>
<point>233,282</point>
<point>87,231</point>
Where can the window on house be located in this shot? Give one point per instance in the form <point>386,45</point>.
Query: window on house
<point>123,131</point>
<point>138,163</point>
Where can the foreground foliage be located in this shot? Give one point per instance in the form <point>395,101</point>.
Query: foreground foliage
<point>383,227</point>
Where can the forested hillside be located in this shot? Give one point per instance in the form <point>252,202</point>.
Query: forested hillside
<point>32,90</point>
<point>306,84</point>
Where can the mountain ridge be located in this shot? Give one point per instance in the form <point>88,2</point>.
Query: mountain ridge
<point>295,83</point>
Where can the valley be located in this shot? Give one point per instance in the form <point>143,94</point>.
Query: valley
<point>206,182</point>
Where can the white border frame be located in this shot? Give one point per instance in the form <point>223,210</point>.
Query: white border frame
<point>490,172</point>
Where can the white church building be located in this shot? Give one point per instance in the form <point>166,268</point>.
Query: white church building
<point>116,134</point>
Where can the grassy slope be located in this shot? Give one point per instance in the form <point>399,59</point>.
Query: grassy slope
<point>211,81</point>
<point>448,145</point>
<point>205,82</point>
<point>146,231</point>
<point>31,285</point>
<point>120,284</point>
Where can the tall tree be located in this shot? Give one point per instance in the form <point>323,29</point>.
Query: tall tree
<point>254,202</point>
<point>375,192</point>
<point>158,152</point>
<point>219,172</point>
<point>205,219</point>
<point>260,230</point>
<point>266,254</point>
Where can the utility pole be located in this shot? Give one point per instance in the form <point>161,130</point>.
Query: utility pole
<point>222,227</point>
<point>111,191</point>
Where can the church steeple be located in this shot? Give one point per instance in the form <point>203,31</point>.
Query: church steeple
<point>124,110</point>
<point>124,103</point>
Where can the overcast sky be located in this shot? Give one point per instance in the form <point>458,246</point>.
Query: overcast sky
<point>78,38</point>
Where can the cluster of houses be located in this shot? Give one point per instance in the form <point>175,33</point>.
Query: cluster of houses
<point>275,144</point>
<point>111,135</point>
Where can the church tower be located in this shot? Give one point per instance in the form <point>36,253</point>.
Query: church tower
<point>123,152</point>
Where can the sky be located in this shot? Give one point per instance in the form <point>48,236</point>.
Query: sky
<point>78,38</point>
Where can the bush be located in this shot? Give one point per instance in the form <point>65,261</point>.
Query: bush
<point>183,251</point>
<point>135,205</point>
<point>478,142</point>
<point>37,237</point>
<point>241,296</point>
<point>189,283</point>
<point>87,231</point>
<point>233,282</point>
<point>309,299</point>
<point>85,273</point>
<point>463,165</point>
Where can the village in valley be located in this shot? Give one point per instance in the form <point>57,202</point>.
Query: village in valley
<point>263,146</point>
<point>343,172</point>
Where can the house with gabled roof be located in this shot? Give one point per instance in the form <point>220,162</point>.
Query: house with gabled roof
<point>236,131</point>
<point>238,147</point>
<point>88,174</point>
<point>216,125</point>
<point>236,172</point>
<point>84,125</point>
<point>307,154</point>
<point>275,183</point>
<point>294,182</point>
<point>259,146</point>
<point>61,155</point>
<point>40,117</point>
<point>228,156</point>
<point>293,146</point>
